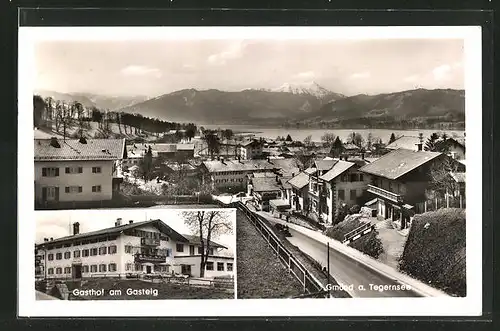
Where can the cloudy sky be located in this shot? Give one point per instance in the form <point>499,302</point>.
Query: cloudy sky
<point>154,68</point>
<point>57,224</point>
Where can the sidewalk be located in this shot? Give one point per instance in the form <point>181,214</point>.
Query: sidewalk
<point>379,267</point>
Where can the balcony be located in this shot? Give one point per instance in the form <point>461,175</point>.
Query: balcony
<point>141,258</point>
<point>150,242</point>
<point>398,198</point>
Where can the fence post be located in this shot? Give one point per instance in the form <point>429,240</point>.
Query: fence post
<point>460,201</point>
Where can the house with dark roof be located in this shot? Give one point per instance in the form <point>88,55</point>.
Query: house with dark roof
<point>132,249</point>
<point>299,188</point>
<point>399,180</point>
<point>76,170</point>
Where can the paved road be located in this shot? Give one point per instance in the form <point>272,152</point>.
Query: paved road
<point>347,271</point>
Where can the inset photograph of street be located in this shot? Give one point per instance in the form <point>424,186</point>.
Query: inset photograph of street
<point>135,254</point>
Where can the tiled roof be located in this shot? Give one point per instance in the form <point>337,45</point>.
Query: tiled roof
<point>287,167</point>
<point>284,182</point>
<point>350,146</point>
<point>167,230</point>
<point>406,142</point>
<point>164,148</point>
<point>399,162</point>
<point>310,170</point>
<point>196,240</point>
<point>299,181</point>
<point>73,149</point>
<point>235,165</point>
<point>264,174</point>
<point>324,164</point>
<point>265,184</point>
<point>336,170</point>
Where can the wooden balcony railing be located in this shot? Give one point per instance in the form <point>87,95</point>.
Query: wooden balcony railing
<point>150,242</point>
<point>140,258</point>
<point>385,194</point>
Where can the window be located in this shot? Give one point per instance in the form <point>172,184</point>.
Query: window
<point>179,248</point>
<point>67,270</point>
<point>96,188</point>
<point>353,194</point>
<point>112,267</point>
<point>67,255</point>
<point>102,268</point>
<point>200,251</point>
<point>353,177</point>
<point>73,170</point>
<point>169,252</point>
<point>85,269</point>
<point>229,266</point>
<point>220,266</point>
<point>128,249</point>
<point>129,267</point>
<point>50,256</point>
<point>85,252</point>
<point>93,251</point>
<point>361,178</point>
<point>50,172</point>
<point>102,250</point>
<point>59,271</point>
<point>93,268</point>
<point>112,249</point>
<point>211,252</point>
<point>210,266</point>
<point>73,189</point>
<point>96,170</point>
<point>341,194</point>
<point>51,271</point>
<point>76,253</point>
<point>58,256</point>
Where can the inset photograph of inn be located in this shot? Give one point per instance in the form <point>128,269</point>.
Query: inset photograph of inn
<point>135,254</point>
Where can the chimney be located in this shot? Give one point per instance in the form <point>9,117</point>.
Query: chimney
<point>419,147</point>
<point>362,156</point>
<point>54,143</point>
<point>82,140</point>
<point>130,222</point>
<point>118,222</point>
<point>293,174</point>
<point>76,228</point>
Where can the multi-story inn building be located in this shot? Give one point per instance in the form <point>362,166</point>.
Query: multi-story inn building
<point>75,170</point>
<point>132,249</point>
<point>250,149</point>
<point>399,181</point>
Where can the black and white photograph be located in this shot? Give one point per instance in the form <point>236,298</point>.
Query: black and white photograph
<point>117,254</point>
<point>339,154</point>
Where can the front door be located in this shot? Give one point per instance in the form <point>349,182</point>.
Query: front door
<point>148,269</point>
<point>186,269</point>
<point>77,271</point>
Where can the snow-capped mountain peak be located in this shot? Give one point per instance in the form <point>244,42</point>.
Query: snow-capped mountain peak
<point>311,88</point>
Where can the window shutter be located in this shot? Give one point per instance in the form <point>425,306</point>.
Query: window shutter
<point>44,192</point>
<point>57,172</point>
<point>80,189</point>
<point>67,170</point>
<point>80,170</point>
<point>44,172</point>
<point>93,188</point>
<point>57,188</point>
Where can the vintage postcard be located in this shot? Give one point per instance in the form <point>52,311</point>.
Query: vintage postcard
<point>250,168</point>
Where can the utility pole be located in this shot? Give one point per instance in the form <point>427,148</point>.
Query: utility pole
<point>328,264</point>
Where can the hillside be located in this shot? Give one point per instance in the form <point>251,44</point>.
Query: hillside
<point>94,100</point>
<point>424,106</point>
<point>219,107</point>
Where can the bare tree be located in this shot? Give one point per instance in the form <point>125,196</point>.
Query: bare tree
<point>308,140</point>
<point>207,225</point>
<point>328,138</point>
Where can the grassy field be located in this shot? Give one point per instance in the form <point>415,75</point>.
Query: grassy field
<point>165,290</point>
<point>260,274</point>
<point>435,250</point>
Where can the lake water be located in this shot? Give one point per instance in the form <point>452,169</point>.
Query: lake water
<point>301,134</point>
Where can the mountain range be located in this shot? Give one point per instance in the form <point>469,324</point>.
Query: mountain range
<point>289,104</point>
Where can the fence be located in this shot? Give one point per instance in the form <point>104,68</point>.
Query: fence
<point>310,283</point>
<point>357,233</point>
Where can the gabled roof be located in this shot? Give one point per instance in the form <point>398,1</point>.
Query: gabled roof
<point>73,149</point>
<point>165,148</point>
<point>284,182</point>
<point>265,184</point>
<point>264,174</point>
<point>406,142</point>
<point>164,228</point>
<point>287,167</point>
<point>323,165</point>
<point>235,165</point>
<point>399,162</point>
<point>299,181</point>
<point>249,142</point>
<point>310,170</point>
<point>196,240</point>
<point>339,167</point>
<point>351,146</point>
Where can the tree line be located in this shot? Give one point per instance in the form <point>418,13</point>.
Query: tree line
<point>62,115</point>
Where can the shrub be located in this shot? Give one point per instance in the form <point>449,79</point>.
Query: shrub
<point>435,250</point>
<point>368,244</point>
<point>354,209</point>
